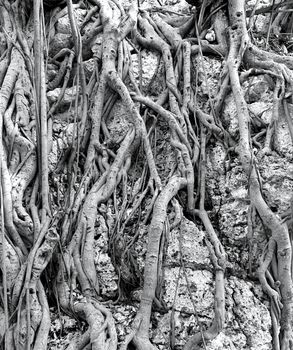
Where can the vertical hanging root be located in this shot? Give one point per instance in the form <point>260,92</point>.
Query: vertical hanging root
<point>218,257</point>
<point>140,335</point>
<point>272,289</point>
<point>279,231</point>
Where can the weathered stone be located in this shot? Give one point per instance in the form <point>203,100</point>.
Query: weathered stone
<point>63,24</point>
<point>59,42</point>
<point>194,252</point>
<point>200,284</point>
<point>118,122</point>
<point>69,95</point>
<point>229,116</point>
<point>261,110</point>
<point>282,142</point>
<point>123,316</point>
<point>52,70</point>
<point>258,88</point>
<point>208,72</point>
<point>149,63</point>
<point>277,175</point>
<point>261,23</point>
<point>249,313</point>
<point>258,4</point>
<point>107,277</point>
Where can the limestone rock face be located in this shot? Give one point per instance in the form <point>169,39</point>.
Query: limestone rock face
<point>246,314</point>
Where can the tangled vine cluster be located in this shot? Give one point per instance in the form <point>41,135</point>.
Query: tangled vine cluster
<point>38,231</point>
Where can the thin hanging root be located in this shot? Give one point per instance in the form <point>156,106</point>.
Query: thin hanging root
<point>263,267</point>
<point>8,208</point>
<point>218,257</point>
<point>45,324</point>
<point>111,44</point>
<point>119,86</point>
<point>288,118</point>
<point>276,305</point>
<point>154,42</point>
<point>178,214</point>
<point>103,188</point>
<point>140,337</point>
<point>65,83</point>
<point>274,119</point>
<point>80,73</point>
<point>87,257</point>
<point>99,193</point>
<point>167,115</point>
<point>172,321</point>
<point>187,90</point>
<point>38,259</point>
<point>53,84</point>
<point>189,173</point>
<point>41,108</point>
<point>3,248</point>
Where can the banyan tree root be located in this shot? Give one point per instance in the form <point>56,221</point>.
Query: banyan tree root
<point>29,232</point>
<point>27,246</point>
<point>239,44</point>
<point>76,262</point>
<point>113,35</point>
<point>140,334</point>
<point>102,332</point>
<point>218,258</point>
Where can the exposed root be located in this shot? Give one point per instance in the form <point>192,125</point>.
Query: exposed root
<point>98,167</point>
<point>279,231</point>
<point>140,337</point>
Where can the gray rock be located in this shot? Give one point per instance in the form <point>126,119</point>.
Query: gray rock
<point>194,252</point>
<point>59,42</point>
<point>250,316</point>
<point>277,175</point>
<point>107,277</point>
<point>69,96</point>
<point>149,63</point>
<point>282,142</point>
<point>63,25</point>
<point>229,116</point>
